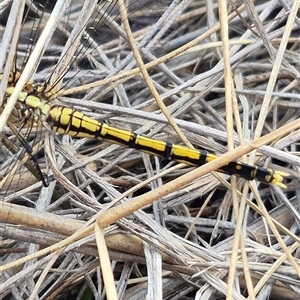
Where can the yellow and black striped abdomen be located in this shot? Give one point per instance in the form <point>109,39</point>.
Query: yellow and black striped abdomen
<point>69,121</point>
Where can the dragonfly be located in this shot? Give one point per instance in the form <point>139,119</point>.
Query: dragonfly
<point>66,120</point>
<point>36,107</point>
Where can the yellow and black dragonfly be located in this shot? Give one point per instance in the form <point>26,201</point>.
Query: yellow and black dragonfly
<point>37,108</point>
<point>66,120</point>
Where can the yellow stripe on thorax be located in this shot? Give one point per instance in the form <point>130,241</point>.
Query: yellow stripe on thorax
<point>40,108</point>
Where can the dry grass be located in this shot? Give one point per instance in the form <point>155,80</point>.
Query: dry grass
<point>119,224</point>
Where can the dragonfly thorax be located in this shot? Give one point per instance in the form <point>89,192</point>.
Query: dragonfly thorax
<point>29,108</point>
